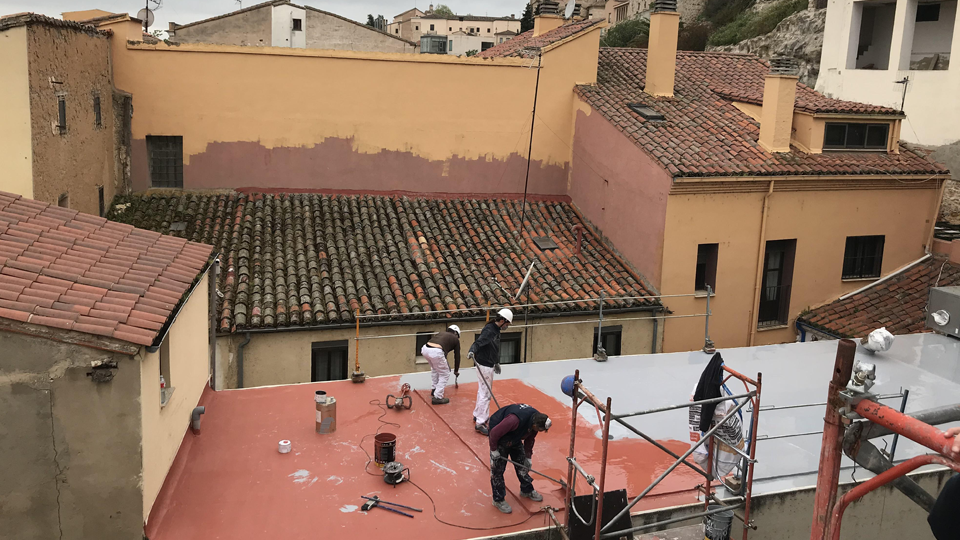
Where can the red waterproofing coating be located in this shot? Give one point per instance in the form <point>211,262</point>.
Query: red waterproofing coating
<point>828,475</point>
<point>919,432</point>
<point>883,479</point>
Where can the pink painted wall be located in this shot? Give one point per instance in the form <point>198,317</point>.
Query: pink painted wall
<point>622,190</point>
<point>334,164</point>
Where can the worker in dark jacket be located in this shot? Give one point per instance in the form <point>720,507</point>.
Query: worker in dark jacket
<point>943,519</point>
<point>485,353</point>
<point>435,352</point>
<point>513,432</point>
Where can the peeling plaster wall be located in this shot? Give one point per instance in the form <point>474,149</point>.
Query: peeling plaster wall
<point>270,117</point>
<point>69,447</point>
<point>75,162</point>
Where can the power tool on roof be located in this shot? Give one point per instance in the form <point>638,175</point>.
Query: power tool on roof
<point>403,401</point>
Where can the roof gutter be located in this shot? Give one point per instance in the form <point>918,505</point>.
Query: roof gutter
<point>352,325</point>
<point>886,277</point>
<point>176,313</point>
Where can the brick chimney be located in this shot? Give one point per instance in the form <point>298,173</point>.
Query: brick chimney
<point>779,94</point>
<point>662,49</point>
<point>547,17</point>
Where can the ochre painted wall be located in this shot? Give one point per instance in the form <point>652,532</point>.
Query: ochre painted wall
<point>164,427</point>
<point>76,162</point>
<point>285,357</point>
<point>621,190</point>
<point>345,120</point>
<point>819,220</point>
<point>69,446</point>
<point>16,147</point>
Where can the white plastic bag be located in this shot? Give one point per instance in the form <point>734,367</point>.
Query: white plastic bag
<point>879,340</point>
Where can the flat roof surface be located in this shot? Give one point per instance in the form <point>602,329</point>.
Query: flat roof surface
<point>231,482</point>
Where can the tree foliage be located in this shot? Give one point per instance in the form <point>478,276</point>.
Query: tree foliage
<point>472,52</point>
<point>526,20</point>
<point>444,11</point>
<point>370,21</point>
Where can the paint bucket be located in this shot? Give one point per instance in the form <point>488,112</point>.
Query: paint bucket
<point>717,526</point>
<point>384,448</point>
<point>285,446</point>
<point>326,413</point>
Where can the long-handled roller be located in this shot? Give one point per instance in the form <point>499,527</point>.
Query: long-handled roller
<point>515,464</point>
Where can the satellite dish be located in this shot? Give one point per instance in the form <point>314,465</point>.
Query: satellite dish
<point>146,15</point>
<point>567,13</point>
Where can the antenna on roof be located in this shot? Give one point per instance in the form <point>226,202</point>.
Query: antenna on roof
<point>567,13</point>
<point>146,14</point>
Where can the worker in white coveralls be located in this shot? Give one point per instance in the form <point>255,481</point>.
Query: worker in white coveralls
<point>485,353</point>
<point>436,351</point>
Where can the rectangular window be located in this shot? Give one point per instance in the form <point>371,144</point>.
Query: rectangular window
<point>165,161</point>
<point>855,136</point>
<point>103,206</point>
<point>431,27</point>
<point>166,379</point>
<point>485,45</point>
<point>62,115</point>
<point>928,12</point>
<point>706,267</point>
<point>775,289</point>
<point>510,345</point>
<point>416,28</point>
<point>328,361</point>
<point>64,200</point>
<point>612,337</point>
<point>422,339</point>
<point>97,120</point>
<point>298,25</point>
<point>862,257</point>
<point>451,44</point>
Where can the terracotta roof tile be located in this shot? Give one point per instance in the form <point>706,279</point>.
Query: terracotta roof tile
<point>704,134</point>
<point>898,303</point>
<point>72,271</point>
<point>311,260</point>
<point>515,46</point>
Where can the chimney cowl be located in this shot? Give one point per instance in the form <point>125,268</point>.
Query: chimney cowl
<point>665,5</point>
<point>784,65</point>
<point>548,7</point>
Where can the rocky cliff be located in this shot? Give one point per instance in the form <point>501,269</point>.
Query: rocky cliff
<point>799,36</point>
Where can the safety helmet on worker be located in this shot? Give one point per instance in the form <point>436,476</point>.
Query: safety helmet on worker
<point>506,315</point>
<point>455,328</point>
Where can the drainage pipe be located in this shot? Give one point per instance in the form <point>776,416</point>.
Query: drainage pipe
<point>195,418</point>
<point>761,253</point>
<point>240,359</point>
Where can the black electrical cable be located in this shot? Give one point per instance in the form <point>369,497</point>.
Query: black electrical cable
<point>383,424</point>
<point>436,517</point>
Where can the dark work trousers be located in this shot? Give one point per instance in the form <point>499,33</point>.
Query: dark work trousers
<point>517,455</point>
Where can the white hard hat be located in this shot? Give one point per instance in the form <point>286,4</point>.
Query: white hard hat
<point>455,328</point>
<point>506,314</point>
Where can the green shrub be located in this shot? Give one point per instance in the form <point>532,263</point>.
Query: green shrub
<point>722,12</point>
<point>694,36</point>
<point>633,32</point>
<point>750,24</point>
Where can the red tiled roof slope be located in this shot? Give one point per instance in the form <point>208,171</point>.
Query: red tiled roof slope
<point>72,271</point>
<point>898,303</point>
<point>704,134</point>
<point>309,259</point>
<point>514,46</point>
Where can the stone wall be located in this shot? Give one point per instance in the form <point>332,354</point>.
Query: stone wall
<point>329,31</point>
<point>799,36</point>
<point>251,27</point>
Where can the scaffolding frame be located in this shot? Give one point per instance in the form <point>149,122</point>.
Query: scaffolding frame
<point>581,394</point>
<point>850,403</point>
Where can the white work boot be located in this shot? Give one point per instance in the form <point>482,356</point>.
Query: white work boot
<point>533,496</point>
<point>503,506</point>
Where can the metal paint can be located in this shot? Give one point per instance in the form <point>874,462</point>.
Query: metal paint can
<point>384,448</point>
<point>285,447</point>
<point>326,413</point>
<point>717,526</point>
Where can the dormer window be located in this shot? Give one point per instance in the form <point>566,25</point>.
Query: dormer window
<point>855,136</point>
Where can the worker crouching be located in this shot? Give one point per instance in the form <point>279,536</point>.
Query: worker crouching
<point>513,432</point>
<point>435,351</point>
